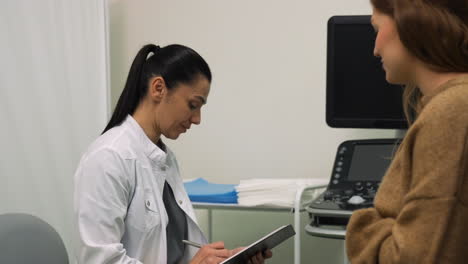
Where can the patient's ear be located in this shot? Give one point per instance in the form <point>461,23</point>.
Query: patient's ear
<point>157,89</point>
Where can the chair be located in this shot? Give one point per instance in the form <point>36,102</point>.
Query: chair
<point>26,239</point>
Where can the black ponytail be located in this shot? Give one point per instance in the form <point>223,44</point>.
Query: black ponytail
<point>175,63</point>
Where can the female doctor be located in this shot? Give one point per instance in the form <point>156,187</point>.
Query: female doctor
<point>130,201</point>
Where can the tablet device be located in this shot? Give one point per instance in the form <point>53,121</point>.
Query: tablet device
<point>267,242</point>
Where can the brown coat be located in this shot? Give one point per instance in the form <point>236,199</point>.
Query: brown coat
<point>421,208</point>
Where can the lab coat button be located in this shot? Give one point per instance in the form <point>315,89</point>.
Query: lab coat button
<point>180,201</point>
<point>148,203</point>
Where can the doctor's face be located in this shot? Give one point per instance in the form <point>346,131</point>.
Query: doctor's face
<point>396,59</point>
<point>181,107</point>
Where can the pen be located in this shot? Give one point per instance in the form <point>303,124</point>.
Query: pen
<point>191,243</point>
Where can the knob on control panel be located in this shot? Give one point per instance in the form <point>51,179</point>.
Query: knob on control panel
<point>328,195</point>
<point>358,186</point>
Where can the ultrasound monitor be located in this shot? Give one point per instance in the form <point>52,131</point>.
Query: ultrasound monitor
<point>358,96</point>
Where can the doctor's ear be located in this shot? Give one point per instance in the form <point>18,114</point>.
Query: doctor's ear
<point>157,89</point>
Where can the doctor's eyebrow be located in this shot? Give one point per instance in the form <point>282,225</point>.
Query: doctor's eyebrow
<point>201,98</point>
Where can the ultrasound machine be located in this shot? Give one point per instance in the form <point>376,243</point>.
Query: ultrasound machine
<point>357,96</point>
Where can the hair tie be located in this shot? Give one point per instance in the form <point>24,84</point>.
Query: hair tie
<point>152,49</point>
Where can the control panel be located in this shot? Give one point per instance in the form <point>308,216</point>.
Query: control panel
<point>355,179</point>
<point>356,174</point>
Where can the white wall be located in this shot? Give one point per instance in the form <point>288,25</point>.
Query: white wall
<point>265,116</point>
<point>53,103</point>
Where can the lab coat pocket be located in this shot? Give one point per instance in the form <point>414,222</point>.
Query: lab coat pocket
<point>152,213</point>
<point>143,213</point>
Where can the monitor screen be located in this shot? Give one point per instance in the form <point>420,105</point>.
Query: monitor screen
<point>370,162</point>
<point>358,96</point>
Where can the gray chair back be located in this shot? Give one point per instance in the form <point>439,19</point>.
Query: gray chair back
<point>26,239</point>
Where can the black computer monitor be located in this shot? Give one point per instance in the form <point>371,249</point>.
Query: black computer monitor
<point>358,96</point>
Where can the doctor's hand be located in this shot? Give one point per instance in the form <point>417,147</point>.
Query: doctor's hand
<point>259,258</point>
<point>212,253</point>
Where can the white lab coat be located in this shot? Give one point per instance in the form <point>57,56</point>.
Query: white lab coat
<point>119,209</point>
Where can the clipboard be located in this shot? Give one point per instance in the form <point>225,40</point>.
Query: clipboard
<point>269,241</point>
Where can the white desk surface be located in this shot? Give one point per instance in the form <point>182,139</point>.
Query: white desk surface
<point>296,210</point>
<point>232,206</point>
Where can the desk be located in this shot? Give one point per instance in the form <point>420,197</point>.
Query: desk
<point>296,210</point>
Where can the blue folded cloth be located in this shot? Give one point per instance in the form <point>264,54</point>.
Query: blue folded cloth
<point>200,190</point>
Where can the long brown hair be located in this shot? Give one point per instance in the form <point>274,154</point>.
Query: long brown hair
<point>435,32</point>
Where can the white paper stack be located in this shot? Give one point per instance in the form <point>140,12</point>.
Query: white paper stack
<point>276,192</point>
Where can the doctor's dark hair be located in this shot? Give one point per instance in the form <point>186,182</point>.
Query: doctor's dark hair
<point>176,64</point>
<point>435,32</point>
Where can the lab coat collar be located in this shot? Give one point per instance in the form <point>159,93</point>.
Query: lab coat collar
<point>151,150</point>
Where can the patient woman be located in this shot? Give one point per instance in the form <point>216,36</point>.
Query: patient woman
<point>421,208</point>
